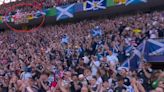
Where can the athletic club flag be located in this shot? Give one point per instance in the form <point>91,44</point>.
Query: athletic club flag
<point>94,5</point>
<point>65,12</point>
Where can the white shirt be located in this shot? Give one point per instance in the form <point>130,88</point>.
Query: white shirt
<point>94,67</point>
<point>112,59</point>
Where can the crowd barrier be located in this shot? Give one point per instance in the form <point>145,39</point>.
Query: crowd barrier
<point>87,10</point>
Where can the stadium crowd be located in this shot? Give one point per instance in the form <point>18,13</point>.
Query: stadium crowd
<point>44,4</point>
<point>81,57</point>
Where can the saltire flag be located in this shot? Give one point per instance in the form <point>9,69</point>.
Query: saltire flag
<point>137,55</point>
<point>1,21</point>
<point>65,39</point>
<point>150,49</point>
<point>115,2</point>
<point>94,5</point>
<point>154,47</point>
<point>126,64</point>
<point>128,50</point>
<point>134,60</point>
<point>51,12</point>
<point>128,2</point>
<point>65,12</point>
<point>97,31</point>
<point>141,47</point>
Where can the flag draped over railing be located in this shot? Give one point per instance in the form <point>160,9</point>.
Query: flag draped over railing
<point>94,5</point>
<point>65,12</point>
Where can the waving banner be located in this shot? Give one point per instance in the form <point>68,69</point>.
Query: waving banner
<point>151,50</point>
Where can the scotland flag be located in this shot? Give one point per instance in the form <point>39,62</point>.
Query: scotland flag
<point>97,31</point>
<point>65,12</point>
<point>65,39</point>
<point>126,64</point>
<point>151,51</point>
<point>154,47</point>
<point>134,61</point>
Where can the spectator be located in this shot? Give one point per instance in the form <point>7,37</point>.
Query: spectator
<point>39,62</point>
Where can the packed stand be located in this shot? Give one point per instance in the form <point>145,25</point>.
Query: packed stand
<point>44,4</point>
<point>80,57</point>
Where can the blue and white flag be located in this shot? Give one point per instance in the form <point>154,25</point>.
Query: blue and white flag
<point>126,64</point>
<point>64,12</point>
<point>149,51</point>
<point>129,2</point>
<point>97,31</point>
<point>65,39</point>
<point>134,61</point>
<point>154,50</point>
<point>128,50</point>
<point>154,47</point>
<point>94,5</point>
